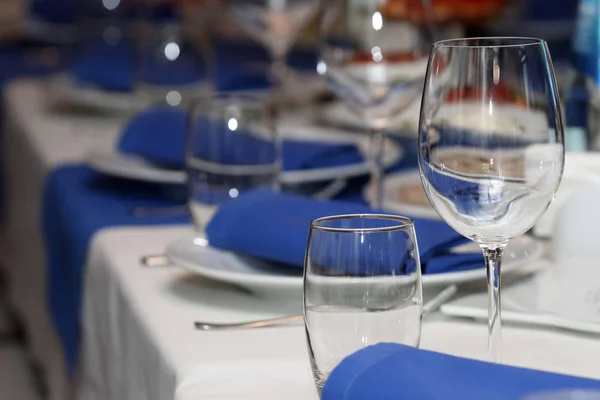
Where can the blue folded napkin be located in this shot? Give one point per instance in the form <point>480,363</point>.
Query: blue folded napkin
<point>389,371</point>
<point>244,66</point>
<point>274,226</point>
<point>158,135</point>
<point>113,67</point>
<point>106,67</point>
<point>238,66</point>
<point>77,203</point>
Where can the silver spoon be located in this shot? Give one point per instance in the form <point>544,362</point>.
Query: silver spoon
<point>429,307</point>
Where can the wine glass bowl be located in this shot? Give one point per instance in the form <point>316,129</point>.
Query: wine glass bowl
<point>275,24</point>
<point>375,65</point>
<point>491,144</point>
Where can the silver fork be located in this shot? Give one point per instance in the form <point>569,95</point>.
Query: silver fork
<point>431,306</point>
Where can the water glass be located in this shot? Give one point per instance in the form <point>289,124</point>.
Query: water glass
<point>173,58</point>
<point>362,286</point>
<point>231,148</point>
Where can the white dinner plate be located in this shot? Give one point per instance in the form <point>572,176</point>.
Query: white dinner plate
<point>265,278</point>
<point>135,168</point>
<point>65,90</point>
<point>126,166</point>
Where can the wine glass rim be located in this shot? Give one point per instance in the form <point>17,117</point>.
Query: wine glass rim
<point>403,223</point>
<point>504,41</point>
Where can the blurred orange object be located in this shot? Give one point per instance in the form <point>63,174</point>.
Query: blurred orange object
<point>443,10</point>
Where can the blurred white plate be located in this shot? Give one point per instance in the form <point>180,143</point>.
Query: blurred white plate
<point>65,90</point>
<point>265,278</point>
<point>126,166</point>
<point>581,170</point>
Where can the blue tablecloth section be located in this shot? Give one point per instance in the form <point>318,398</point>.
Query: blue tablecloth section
<point>389,371</point>
<point>77,203</point>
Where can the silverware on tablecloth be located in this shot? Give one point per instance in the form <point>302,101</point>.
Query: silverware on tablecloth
<point>160,212</point>
<point>431,306</point>
<point>209,326</point>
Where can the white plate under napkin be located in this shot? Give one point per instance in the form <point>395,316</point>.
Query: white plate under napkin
<point>262,277</point>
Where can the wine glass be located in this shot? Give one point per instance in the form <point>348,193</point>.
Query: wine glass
<point>491,145</point>
<point>275,24</point>
<point>374,63</point>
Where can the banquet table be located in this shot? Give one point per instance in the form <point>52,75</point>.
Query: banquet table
<point>138,338</point>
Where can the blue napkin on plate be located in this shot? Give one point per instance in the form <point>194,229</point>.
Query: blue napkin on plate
<point>274,226</point>
<point>158,135</point>
<point>239,66</point>
<point>77,203</point>
<point>389,371</point>
<point>112,67</point>
<point>106,67</point>
<point>244,66</point>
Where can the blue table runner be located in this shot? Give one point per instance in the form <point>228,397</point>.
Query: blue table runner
<point>78,203</point>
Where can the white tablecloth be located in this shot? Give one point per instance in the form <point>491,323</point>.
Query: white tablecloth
<point>138,336</point>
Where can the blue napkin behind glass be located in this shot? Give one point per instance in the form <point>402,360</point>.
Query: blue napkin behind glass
<point>77,203</point>
<point>106,67</point>
<point>112,67</point>
<point>393,371</point>
<point>274,226</point>
<point>244,66</point>
<point>159,135</point>
<point>238,67</point>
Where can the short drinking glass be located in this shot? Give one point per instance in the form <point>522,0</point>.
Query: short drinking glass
<point>231,148</point>
<point>362,286</point>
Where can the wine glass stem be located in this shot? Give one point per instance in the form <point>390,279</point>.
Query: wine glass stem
<point>492,254</point>
<point>278,71</point>
<point>377,148</point>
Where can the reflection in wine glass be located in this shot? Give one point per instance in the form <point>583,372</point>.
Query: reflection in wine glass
<point>491,144</point>
<point>375,65</point>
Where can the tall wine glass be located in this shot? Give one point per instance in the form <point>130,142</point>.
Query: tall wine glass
<point>491,145</point>
<point>276,25</point>
<point>374,64</point>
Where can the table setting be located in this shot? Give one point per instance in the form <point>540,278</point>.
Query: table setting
<point>216,217</point>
